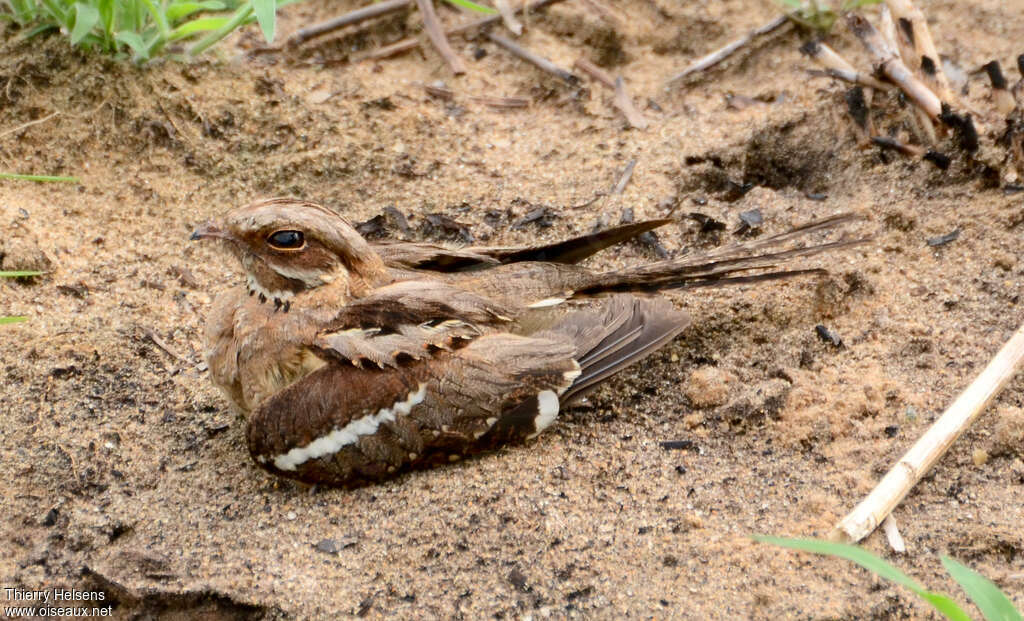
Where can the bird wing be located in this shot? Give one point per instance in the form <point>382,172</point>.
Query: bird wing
<point>342,425</point>
<point>406,321</point>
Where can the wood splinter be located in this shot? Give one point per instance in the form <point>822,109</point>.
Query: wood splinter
<point>933,444</point>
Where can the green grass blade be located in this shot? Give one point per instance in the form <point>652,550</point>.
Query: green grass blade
<point>472,6</point>
<point>157,13</point>
<point>14,319</point>
<point>181,10</point>
<point>993,603</point>
<point>243,13</point>
<point>879,566</point>
<point>135,42</point>
<point>57,13</point>
<point>24,11</point>
<point>20,274</point>
<point>41,29</point>
<point>106,9</point>
<point>38,178</point>
<point>266,13</point>
<point>203,24</point>
<point>86,17</point>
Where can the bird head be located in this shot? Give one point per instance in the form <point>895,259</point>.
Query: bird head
<point>288,246</point>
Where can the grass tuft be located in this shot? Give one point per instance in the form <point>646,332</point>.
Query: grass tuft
<point>993,603</point>
<point>141,29</point>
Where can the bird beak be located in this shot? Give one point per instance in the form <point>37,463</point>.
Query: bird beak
<point>209,230</point>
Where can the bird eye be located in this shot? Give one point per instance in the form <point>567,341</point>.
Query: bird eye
<point>286,240</point>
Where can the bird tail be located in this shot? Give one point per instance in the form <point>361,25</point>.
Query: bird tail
<point>749,262</point>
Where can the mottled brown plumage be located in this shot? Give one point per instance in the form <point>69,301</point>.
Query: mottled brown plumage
<point>353,361</point>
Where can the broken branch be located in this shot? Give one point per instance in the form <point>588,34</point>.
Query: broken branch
<point>934,443</point>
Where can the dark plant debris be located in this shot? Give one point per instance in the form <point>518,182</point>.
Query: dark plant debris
<point>942,240</point>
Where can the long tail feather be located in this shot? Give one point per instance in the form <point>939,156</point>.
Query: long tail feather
<point>723,266</point>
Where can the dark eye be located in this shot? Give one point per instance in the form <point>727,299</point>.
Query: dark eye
<point>286,240</point>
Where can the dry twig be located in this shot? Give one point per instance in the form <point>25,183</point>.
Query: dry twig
<point>712,59</point>
<point>934,443</point>
<point>539,61</point>
<point>837,67</point>
<point>624,178</point>
<point>436,34</point>
<point>622,99</point>
<point>411,43</point>
<point>924,46</point>
<point>888,62</point>
<point>625,104</point>
<point>352,17</point>
<point>595,72</point>
<point>156,340</point>
<point>508,16</point>
<point>17,129</point>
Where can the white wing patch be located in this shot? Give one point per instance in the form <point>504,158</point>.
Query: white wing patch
<point>338,439</point>
<point>547,412</point>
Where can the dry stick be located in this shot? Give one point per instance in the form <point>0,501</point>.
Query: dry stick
<point>625,105</point>
<point>352,17</point>
<point>901,41</point>
<point>623,181</point>
<point>436,33</point>
<point>447,94</point>
<point>508,16</point>
<point>411,43</point>
<point>604,13</point>
<point>622,99</point>
<point>539,61</point>
<point>888,63</point>
<point>29,124</point>
<point>712,59</point>
<point>934,443</point>
<point>594,72</point>
<point>837,66</point>
<point>501,102</point>
<point>923,44</point>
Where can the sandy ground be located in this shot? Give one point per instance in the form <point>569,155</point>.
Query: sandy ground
<point>124,472</point>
